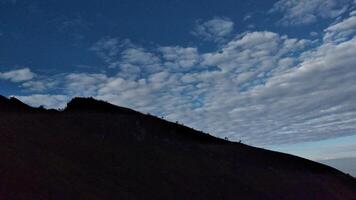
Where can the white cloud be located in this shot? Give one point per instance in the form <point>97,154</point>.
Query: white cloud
<point>180,57</point>
<point>311,101</point>
<point>108,49</point>
<point>18,75</point>
<point>261,87</point>
<point>342,30</point>
<point>258,53</point>
<point>48,101</point>
<point>300,12</point>
<point>137,60</point>
<point>83,84</point>
<point>35,85</point>
<point>215,29</point>
<point>130,59</point>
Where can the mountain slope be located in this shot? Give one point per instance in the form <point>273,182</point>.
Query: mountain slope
<point>347,165</point>
<point>95,150</point>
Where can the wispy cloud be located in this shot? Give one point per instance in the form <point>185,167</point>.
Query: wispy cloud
<point>215,29</point>
<point>301,12</point>
<point>342,30</point>
<point>108,49</point>
<point>18,75</point>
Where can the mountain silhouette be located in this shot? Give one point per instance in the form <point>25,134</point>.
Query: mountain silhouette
<point>13,104</point>
<point>93,150</point>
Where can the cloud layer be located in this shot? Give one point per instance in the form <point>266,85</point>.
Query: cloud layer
<point>261,87</point>
<point>300,12</point>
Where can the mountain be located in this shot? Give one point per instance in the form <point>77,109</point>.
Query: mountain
<point>347,165</point>
<point>94,150</point>
<point>13,104</point>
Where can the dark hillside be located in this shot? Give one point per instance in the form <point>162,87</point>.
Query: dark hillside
<point>13,105</point>
<point>95,150</point>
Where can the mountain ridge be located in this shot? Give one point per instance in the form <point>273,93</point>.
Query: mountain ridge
<point>13,104</point>
<point>96,150</point>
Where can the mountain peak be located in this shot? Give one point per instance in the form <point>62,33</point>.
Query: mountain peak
<point>13,105</point>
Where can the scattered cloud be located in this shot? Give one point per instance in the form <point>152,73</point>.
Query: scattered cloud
<point>301,12</point>
<point>35,85</point>
<point>130,59</point>
<point>48,101</point>
<point>215,29</point>
<point>313,34</point>
<point>180,57</point>
<point>268,88</point>
<point>247,17</point>
<point>108,49</point>
<point>135,61</point>
<point>342,30</point>
<point>18,75</point>
<point>83,84</point>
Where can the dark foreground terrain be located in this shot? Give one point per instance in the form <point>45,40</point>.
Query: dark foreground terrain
<point>94,150</point>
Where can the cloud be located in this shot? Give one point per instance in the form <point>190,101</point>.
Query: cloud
<point>310,102</point>
<point>261,87</point>
<point>313,34</point>
<point>258,53</point>
<point>130,59</point>
<point>180,57</point>
<point>48,101</point>
<point>136,60</point>
<point>342,30</point>
<point>83,84</point>
<point>215,29</point>
<point>247,17</point>
<point>302,12</point>
<point>108,49</point>
<point>18,75</point>
<point>35,85</point>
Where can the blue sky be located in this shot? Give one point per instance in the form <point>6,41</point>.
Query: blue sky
<point>277,74</point>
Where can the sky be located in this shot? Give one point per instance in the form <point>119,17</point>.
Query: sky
<point>277,74</point>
